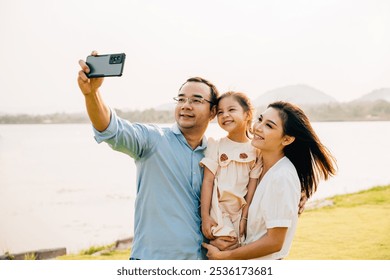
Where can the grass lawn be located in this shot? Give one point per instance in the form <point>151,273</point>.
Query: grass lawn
<point>356,227</point>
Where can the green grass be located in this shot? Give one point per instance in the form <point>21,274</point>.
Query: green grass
<point>99,253</point>
<point>356,227</point>
<point>114,255</point>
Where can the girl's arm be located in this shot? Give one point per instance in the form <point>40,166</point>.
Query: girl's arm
<point>252,185</point>
<point>249,196</point>
<point>205,203</point>
<point>270,243</point>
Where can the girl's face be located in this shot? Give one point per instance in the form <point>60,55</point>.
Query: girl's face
<point>268,132</point>
<point>231,117</point>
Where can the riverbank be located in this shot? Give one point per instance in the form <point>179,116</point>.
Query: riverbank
<point>345,227</point>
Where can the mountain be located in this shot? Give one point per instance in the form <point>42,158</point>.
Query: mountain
<point>378,94</point>
<point>297,94</point>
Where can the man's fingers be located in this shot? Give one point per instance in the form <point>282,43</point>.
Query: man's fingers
<point>84,66</point>
<point>82,76</point>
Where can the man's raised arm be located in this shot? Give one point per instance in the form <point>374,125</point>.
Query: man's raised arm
<point>98,111</point>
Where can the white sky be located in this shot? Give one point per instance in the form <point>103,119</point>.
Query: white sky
<point>341,47</point>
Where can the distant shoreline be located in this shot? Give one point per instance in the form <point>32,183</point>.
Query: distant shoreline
<point>333,112</point>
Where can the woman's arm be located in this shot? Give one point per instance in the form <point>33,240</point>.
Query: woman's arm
<point>270,243</point>
<point>205,203</point>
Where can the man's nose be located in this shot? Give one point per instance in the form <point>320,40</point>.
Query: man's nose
<point>186,104</point>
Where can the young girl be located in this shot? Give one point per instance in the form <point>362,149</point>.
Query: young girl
<point>294,160</point>
<point>231,169</point>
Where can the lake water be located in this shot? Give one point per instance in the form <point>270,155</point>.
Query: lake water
<point>58,188</point>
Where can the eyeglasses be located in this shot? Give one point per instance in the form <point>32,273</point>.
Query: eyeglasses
<point>191,100</point>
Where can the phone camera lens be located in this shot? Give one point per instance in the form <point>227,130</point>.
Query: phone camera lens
<point>115,59</point>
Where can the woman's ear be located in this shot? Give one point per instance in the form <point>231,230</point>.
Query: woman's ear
<point>287,140</point>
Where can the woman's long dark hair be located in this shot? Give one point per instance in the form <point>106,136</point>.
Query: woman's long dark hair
<point>311,158</point>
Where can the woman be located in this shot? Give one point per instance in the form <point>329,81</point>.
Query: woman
<point>294,160</point>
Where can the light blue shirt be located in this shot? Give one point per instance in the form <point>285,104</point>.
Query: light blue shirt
<point>167,207</point>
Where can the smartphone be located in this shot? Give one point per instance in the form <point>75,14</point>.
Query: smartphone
<point>106,65</point>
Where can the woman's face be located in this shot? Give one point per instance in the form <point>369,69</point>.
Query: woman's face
<point>268,131</point>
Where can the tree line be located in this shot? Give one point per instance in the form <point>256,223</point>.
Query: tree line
<point>353,111</point>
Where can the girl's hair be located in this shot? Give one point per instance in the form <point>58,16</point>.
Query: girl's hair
<point>310,157</point>
<point>213,89</point>
<point>246,105</point>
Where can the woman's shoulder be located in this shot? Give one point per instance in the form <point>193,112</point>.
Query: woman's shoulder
<point>284,165</point>
<point>284,172</point>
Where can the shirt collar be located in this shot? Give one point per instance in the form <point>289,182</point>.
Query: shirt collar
<point>176,130</point>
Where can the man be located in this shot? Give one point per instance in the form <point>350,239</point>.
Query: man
<point>169,177</point>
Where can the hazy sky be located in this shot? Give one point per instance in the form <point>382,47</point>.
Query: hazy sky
<point>341,47</point>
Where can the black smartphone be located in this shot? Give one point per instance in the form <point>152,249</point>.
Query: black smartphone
<point>106,65</point>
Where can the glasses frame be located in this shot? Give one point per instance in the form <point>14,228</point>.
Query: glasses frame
<point>190,100</point>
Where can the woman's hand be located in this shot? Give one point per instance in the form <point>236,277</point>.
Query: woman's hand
<point>224,243</point>
<point>213,253</point>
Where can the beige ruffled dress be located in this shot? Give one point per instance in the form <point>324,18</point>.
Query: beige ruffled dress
<point>233,164</point>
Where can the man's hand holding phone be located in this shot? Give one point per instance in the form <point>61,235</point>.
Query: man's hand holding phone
<point>98,66</point>
<point>105,65</point>
<point>86,84</point>
<point>91,78</point>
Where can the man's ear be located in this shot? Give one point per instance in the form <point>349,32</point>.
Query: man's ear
<point>213,112</point>
<point>287,140</point>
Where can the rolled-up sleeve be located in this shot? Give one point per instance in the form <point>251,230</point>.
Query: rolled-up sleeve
<point>109,132</point>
